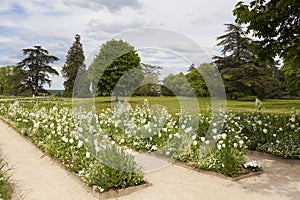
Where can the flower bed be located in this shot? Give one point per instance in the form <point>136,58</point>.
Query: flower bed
<point>52,128</point>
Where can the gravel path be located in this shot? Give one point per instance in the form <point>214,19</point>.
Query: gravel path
<point>39,178</point>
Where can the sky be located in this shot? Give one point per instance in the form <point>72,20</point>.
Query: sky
<point>168,33</point>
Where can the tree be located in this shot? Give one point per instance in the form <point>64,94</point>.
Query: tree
<point>35,68</point>
<point>291,68</point>
<point>277,24</point>
<point>115,59</point>
<point>242,75</point>
<point>177,84</point>
<point>74,62</point>
<point>195,79</point>
<point>151,69</point>
<point>149,85</point>
<point>10,83</point>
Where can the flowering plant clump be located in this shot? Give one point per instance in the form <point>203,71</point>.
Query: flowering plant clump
<point>278,134</point>
<point>182,136</point>
<point>53,129</point>
<point>253,165</point>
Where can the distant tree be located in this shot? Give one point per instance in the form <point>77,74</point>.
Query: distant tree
<point>114,60</point>
<point>277,25</point>
<point>10,82</point>
<point>242,74</point>
<point>177,84</point>
<point>151,69</point>
<point>195,79</point>
<point>149,85</point>
<point>35,68</point>
<point>74,62</point>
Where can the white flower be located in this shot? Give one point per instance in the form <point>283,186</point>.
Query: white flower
<point>206,142</point>
<point>219,146</point>
<point>274,135</point>
<point>193,137</point>
<point>235,145</point>
<point>154,148</point>
<point>265,130</point>
<point>224,135</point>
<point>122,140</point>
<point>202,139</point>
<point>164,129</point>
<point>223,145</point>
<point>195,142</point>
<point>241,142</point>
<point>71,140</point>
<point>64,139</point>
<point>87,154</point>
<point>259,122</point>
<point>80,143</point>
<point>214,130</point>
<point>188,130</point>
<point>170,136</point>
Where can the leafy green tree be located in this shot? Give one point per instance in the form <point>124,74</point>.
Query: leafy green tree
<point>74,62</point>
<point>241,74</point>
<point>10,83</point>
<point>195,79</point>
<point>115,59</point>
<point>291,68</point>
<point>177,84</point>
<point>35,68</point>
<point>277,25</point>
<point>149,85</point>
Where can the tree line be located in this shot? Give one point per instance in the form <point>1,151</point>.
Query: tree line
<point>249,67</point>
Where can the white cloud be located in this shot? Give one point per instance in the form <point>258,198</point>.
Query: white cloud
<point>53,24</point>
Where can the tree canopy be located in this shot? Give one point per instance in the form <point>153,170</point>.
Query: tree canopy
<point>35,68</point>
<point>115,60</point>
<point>276,23</point>
<point>10,82</point>
<point>242,75</point>
<point>74,63</point>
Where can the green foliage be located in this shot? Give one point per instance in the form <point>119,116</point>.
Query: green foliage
<point>35,68</point>
<point>10,83</point>
<point>242,75</point>
<point>73,66</point>
<point>114,60</point>
<point>54,129</point>
<point>195,79</point>
<point>6,187</point>
<point>277,24</point>
<point>178,84</point>
<point>291,68</point>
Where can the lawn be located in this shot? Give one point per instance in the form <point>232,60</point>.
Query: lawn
<point>172,103</point>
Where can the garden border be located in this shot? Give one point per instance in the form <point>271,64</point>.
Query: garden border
<point>104,195</point>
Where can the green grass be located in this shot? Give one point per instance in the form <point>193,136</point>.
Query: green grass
<point>173,104</point>
<point>189,104</point>
<point>6,187</point>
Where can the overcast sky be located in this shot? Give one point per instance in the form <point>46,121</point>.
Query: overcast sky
<point>176,26</point>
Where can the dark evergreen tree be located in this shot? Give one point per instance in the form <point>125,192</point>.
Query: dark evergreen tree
<point>35,68</point>
<point>74,62</point>
<point>242,74</point>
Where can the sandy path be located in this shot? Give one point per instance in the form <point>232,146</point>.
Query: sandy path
<point>280,180</point>
<point>37,176</point>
